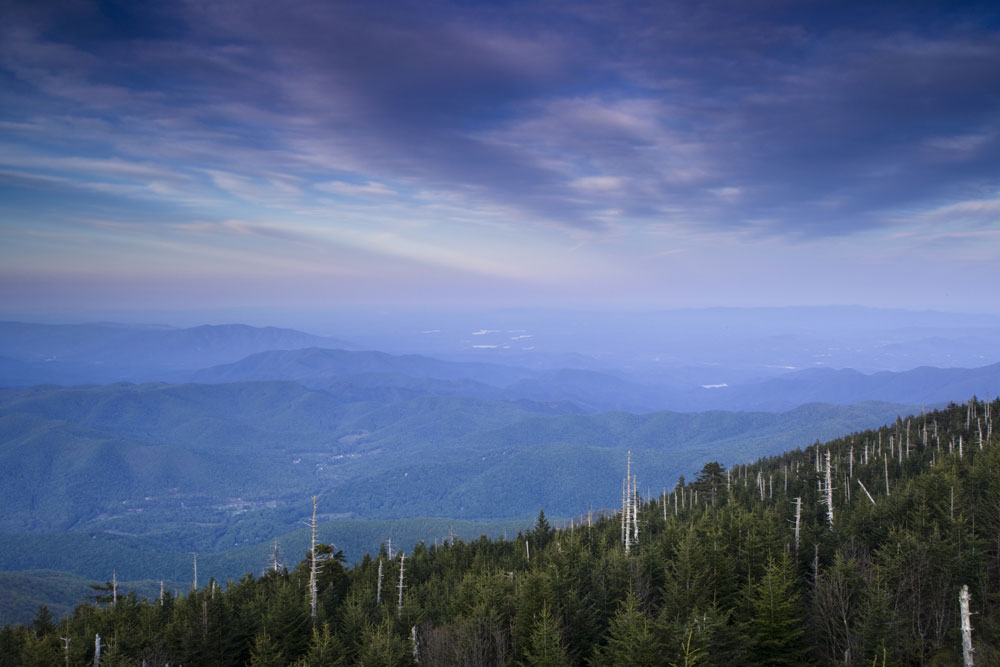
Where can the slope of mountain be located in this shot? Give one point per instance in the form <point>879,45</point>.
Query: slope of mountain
<point>919,386</point>
<point>315,364</point>
<point>101,353</point>
<point>201,463</point>
<point>324,368</point>
<point>856,551</point>
<point>594,391</point>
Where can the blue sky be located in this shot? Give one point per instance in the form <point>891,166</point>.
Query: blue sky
<point>647,155</point>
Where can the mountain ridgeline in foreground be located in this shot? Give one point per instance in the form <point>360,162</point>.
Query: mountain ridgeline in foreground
<point>851,552</point>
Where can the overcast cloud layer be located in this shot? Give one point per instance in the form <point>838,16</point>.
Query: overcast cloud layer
<point>642,154</point>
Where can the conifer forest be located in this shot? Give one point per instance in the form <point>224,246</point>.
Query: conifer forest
<point>860,551</point>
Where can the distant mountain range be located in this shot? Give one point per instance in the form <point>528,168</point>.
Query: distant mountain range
<point>920,386</point>
<point>33,354</point>
<point>594,391</point>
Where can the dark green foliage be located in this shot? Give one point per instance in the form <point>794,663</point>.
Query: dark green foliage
<point>717,583</point>
<point>43,623</point>
<point>546,647</point>
<point>266,653</point>
<point>776,625</point>
<point>325,650</point>
<point>632,640</point>
<point>382,647</point>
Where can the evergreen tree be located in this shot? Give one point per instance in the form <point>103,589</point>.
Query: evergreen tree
<point>266,653</point>
<point>287,619</point>
<point>12,640</point>
<point>325,650</point>
<point>775,627</point>
<point>381,647</point>
<point>40,651</point>
<point>546,647</point>
<point>631,639</point>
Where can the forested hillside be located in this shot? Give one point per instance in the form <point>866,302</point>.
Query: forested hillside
<point>210,459</point>
<point>851,552</point>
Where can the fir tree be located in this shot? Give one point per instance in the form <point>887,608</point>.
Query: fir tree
<point>266,653</point>
<point>775,627</point>
<point>631,639</point>
<point>546,647</point>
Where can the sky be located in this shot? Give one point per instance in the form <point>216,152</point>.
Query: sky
<point>186,155</point>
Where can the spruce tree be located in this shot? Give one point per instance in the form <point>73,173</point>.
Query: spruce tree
<point>775,611</point>
<point>631,639</point>
<point>546,647</point>
<point>266,653</point>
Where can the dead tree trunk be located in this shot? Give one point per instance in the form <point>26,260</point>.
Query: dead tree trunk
<point>798,518</point>
<point>635,510</point>
<point>312,567</point>
<point>866,491</point>
<point>963,602</point>
<point>378,590</point>
<point>402,569</point>
<point>829,489</point>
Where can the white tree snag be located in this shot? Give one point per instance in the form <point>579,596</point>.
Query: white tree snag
<point>798,518</point>
<point>378,590</point>
<point>402,569</point>
<point>624,515</point>
<point>627,503</point>
<point>630,527</point>
<point>635,510</point>
<point>963,603</point>
<point>866,491</point>
<point>194,586</point>
<point>313,590</point>
<point>829,489</point>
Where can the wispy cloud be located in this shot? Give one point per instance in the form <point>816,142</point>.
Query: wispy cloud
<point>533,143</point>
<point>369,189</point>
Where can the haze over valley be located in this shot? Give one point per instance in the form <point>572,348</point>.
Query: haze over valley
<point>168,440</point>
